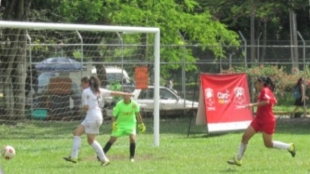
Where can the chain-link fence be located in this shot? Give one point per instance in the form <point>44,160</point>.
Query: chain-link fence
<point>114,57</point>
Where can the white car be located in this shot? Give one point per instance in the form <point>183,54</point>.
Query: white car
<point>170,103</point>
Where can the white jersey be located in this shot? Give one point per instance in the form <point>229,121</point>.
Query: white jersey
<point>94,101</point>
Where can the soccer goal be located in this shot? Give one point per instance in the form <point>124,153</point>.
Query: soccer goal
<point>42,64</point>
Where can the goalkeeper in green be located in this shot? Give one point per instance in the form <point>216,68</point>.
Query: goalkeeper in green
<point>124,120</point>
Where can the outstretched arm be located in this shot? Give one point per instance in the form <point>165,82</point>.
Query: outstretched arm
<point>261,103</point>
<point>118,93</point>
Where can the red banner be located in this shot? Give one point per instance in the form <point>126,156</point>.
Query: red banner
<point>142,77</point>
<point>224,100</point>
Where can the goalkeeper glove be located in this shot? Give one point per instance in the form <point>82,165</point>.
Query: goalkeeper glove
<point>141,127</point>
<point>114,126</point>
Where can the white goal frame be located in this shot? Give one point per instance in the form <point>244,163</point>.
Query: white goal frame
<point>104,28</point>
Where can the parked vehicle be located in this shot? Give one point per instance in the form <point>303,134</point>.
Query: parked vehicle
<point>170,103</point>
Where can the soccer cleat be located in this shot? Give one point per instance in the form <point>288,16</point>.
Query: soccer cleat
<point>70,159</point>
<point>292,150</point>
<point>105,163</point>
<point>235,161</point>
<point>132,160</point>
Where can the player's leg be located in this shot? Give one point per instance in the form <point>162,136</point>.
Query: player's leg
<point>91,139</point>
<point>108,145</point>
<point>305,110</point>
<point>92,130</point>
<point>132,147</point>
<point>76,143</point>
<point>294,111</point>
<point>114,135</point>
<point>269,143</point>
<point>247,135</point>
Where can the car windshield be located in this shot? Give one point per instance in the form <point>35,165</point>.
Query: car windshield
<point>114,77</point>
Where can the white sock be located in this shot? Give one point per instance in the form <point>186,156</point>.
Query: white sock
<point>75,147</point>
<point>241,151</point>
<point>280,145</point>
<point>98,149</point>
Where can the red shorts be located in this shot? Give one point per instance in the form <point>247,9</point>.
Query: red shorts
<point>267,127</point>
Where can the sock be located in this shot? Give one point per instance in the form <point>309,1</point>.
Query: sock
<point>280,145</point>
<point>98,149</point>
<point>75,147</point>
<point>107,147</point>
<point>241,151</point>
<point>132,149</point>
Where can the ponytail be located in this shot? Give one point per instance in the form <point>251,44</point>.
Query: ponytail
<point>267,82</point>
<point>94,84</point>
<point>270,83</point>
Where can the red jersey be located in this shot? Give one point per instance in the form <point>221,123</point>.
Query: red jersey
<point>265,113</point>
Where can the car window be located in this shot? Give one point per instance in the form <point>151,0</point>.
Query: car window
<point>166,94</point>
<point>146,94</point>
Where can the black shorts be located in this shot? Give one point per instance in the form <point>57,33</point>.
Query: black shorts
<point>298,102</point>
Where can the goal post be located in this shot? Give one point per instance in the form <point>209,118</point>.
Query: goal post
<point>103,28</point>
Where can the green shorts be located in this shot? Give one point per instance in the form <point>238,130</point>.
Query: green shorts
<point>124,131</point>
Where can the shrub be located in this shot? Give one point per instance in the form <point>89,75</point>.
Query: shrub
<point>284,81</point>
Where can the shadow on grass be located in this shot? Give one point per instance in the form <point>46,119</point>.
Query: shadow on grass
<point>293,126</point>
<point>228,171</point>
<point>63,129</point>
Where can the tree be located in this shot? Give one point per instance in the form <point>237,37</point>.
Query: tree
<point>271,18</point>
<point>12,56</point>
<point>169,15</point>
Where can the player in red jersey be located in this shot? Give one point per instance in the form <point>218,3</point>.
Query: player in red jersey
<point>264,121</point>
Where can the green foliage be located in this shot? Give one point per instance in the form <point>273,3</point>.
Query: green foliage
<point>170,16</point>
<point>284,81</point>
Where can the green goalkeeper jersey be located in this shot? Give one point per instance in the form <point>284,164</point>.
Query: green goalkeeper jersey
<point>126,113</point>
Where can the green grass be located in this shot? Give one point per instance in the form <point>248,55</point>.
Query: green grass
<point>40,147</point>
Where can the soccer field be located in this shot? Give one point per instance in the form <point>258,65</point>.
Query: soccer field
<point>40,147</point>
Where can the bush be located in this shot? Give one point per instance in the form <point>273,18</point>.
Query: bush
<point>284,81</point>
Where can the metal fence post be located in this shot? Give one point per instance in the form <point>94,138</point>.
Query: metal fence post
<point>82,50</point>
<point>304,67</point>
<point>183,68</point>
<point>122,42</point>
<point>245,50</point>
<point>30,64</point>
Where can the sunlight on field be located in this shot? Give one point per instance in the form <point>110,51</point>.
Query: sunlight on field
<point>41,146</point>
<point>1,94</point>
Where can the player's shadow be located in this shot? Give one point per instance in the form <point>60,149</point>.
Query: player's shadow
<point>229,170</point>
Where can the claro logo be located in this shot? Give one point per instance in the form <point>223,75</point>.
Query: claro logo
<point>223,97</point>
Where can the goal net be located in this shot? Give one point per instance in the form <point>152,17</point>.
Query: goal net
<point>42,65</point>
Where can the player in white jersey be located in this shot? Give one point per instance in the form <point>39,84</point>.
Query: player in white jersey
<point>92,97</point>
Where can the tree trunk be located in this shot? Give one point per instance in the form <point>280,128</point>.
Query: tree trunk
<point>264,42</point>
<point>13,54</point>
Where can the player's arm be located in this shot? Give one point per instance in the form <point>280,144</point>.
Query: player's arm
<point>141,125</point>
<point>84,101</point>
<point>118,93</point>
<point>115,113</point>
<point>303,92</point>
<point>139,118</point>
<point>260,103</point>
<point>106,93</point>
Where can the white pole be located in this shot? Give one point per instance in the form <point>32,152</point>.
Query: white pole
<point>156,86</point>
<point>80,27</point>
